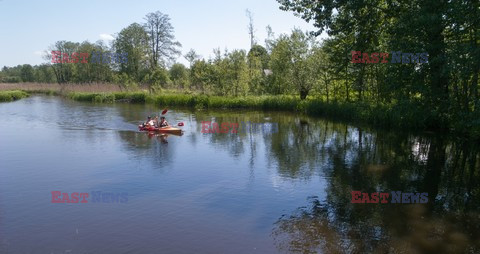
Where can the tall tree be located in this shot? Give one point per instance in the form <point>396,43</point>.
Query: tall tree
<point>60,53</point>
<point>191,57</point>
<point>133,41</point>
<point>179,75</point>
<point>27,73</point>
<point>251,28</point>
<point>163,46</point>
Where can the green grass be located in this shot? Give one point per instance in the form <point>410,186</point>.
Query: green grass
<point>192,100</point>
<point>135,97</point>
<point>47,92</point>
<point>400,115</point>
<point>6,96</point>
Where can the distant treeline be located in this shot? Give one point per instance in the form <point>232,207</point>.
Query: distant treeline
<point>287,64</point>
<point>443,91</point>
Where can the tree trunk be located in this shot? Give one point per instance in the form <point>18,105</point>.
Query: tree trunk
<point>303,93</point>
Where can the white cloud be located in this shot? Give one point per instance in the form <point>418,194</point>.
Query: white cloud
<point>38,52</point>
<point>106,37</point>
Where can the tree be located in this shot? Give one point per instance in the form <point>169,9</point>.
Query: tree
<point>258,59</point>
<point>202,75</point>
<point>445,30</point>
<point>251,28</point>
<point>133,40</point>
<point>163,47</point>
<point>27,73</point>
<point>157,79</point>
<point>301,62</point>
<point>124,81</point>
<point>270,39</point>
<point>322,69</point>
<point>238,72</point>
<point>179,75</point>
<point>257,51</point>
<point>64,71</point>
<point>280,59</point>
<point>292,64</point>
<point>192,56</point>
<point>44,74</point>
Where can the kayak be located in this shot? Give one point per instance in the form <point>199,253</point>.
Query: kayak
<point>169,129</point>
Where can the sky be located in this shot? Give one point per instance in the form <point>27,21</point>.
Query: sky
<point>28,28</point>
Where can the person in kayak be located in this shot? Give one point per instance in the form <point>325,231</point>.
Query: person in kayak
<point>163,123</point>
<point>149,122</point>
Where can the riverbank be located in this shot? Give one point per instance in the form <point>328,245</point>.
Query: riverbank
<point>405,116</point>
<point>402,116</point>
<point>56,89</point>
<point>6,96</point>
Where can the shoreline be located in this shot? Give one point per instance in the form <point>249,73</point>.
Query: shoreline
<point>396,117</point>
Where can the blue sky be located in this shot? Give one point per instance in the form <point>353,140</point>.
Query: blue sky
<point>29,27</point>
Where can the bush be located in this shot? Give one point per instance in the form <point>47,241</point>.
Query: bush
<point>12,95</point>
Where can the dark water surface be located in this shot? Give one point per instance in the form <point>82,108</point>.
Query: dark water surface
<point>227,193</point>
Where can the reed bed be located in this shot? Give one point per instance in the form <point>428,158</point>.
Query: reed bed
<point>61,89</point>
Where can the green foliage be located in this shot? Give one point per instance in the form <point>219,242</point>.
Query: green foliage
<point>27,73</point>
<point>157,79</point>
<point>125,82</point>
<point>133,97</point>
<point>161,39</point>
<point>6,96</point>
<point>104,98</point>
<point>179,76</point>
<point>202,76</point>
<point>235,73</point>
<point>280,61</point>
<point>260,53</point>
<point>448,85</point>
<point>192,56</point>
<point>133,41</point>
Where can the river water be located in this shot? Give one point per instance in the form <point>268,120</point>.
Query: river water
<point>285,191</point>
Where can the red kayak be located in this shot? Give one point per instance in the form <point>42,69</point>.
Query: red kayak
<point>169,129</point>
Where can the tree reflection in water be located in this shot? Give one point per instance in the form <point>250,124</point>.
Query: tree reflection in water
<point>448,223</point>
<point>351,158</point>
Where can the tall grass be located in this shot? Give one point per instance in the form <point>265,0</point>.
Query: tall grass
<point>12,95</point>
<point>134,97</point>
<point>405,115</point>
<point>400,115</point>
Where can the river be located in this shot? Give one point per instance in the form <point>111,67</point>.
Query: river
<point>285,191</point>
